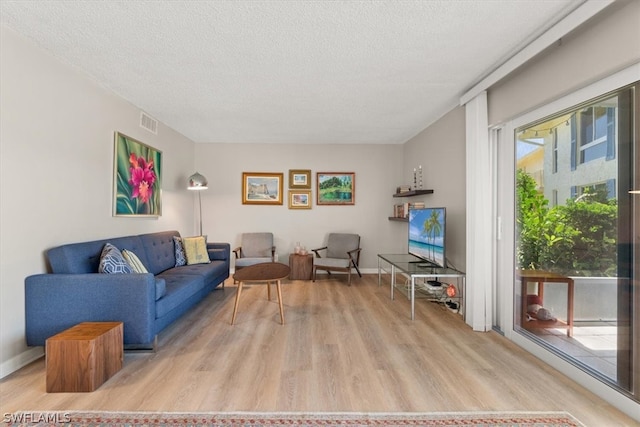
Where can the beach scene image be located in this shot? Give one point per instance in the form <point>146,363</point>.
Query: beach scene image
<point>426,234</point>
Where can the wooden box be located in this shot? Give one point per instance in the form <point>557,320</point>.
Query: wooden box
<point>301,267</point>
<point>83,357</point>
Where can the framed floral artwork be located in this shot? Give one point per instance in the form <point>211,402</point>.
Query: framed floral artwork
<point>336,188</point>
<point>299,199</point>
<point>260,188</point>
<point>299,178</point>
<point>137,178</point>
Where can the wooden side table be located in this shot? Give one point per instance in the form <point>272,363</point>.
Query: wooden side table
<point>301,266</point>
<point>540,277</point>
<point>83,357</point>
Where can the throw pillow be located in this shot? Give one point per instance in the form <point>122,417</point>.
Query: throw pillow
<point>112,261</point>
<point>136,265</point>
<point>195,249</point>
<point>179,249</point>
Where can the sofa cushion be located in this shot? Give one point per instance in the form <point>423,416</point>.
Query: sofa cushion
<point>179,288</point>
<point>161,287</point>
<point>181,258</point>
<point>210,272</point>
<point>195,249</point>
<point>160,251</point>
<point>112,261</point>
<point>136,265</point>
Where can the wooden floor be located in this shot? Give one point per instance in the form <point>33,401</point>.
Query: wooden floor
<point>342,348</point>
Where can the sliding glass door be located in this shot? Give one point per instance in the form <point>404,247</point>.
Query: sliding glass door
<point>577,234</point>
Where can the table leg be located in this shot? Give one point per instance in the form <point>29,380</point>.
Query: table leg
<point>280,302</point>
<point>269,290</point>
<point>570,308</point>
<point>235,306</point>
<point>523,305</point>
<point>393,279</point>
<point>413,299</point>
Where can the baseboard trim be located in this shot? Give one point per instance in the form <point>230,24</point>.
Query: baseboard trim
<point>21,360</point>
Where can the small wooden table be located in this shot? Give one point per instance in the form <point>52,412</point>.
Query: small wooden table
<point>83,357</point>
<point>540,277</point>
<point>301,266</point>
<point>266,272</point>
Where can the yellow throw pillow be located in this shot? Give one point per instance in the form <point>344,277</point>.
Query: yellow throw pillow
<point>134,261</point>
<point>195,249</point>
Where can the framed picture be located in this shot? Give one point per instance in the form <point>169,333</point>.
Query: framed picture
<point>299,199</point>
<point>336,188</point>
<point>260,188</point>
<point>137,178</point>
<point>299,178</point>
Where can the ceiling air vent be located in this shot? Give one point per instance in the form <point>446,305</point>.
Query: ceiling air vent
<point>149,123</point>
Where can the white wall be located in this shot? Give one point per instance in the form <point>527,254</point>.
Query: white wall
<point>376,170</point>
<point>56,168</point>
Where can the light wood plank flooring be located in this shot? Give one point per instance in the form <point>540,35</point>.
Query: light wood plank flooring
<point>342,348</point>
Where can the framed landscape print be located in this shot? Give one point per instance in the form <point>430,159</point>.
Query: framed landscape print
<point>299,199</point>
<point>299,178</point>
<point>336,188</point>
<point>137,178</point>
<point>260,188</point>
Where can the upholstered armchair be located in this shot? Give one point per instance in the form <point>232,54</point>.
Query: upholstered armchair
<point>255,248</point>
<point>342,254</point>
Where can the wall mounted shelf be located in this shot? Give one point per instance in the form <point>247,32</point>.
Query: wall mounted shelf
<point>397,218</point>
<point>413,193</point>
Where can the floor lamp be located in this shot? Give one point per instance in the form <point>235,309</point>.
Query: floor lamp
<point>198,182</point>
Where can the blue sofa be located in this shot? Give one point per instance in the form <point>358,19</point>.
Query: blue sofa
<point>147,303</point>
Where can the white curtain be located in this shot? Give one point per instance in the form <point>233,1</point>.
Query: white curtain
<point>479,213</point>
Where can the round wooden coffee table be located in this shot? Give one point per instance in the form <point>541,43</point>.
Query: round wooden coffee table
<point>265,273</point>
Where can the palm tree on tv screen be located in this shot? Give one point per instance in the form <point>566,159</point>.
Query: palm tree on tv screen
<point>433,229</point>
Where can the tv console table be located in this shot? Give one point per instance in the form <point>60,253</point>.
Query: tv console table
<point>416,268</point>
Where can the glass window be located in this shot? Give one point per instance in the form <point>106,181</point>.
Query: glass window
<point>574,240</point>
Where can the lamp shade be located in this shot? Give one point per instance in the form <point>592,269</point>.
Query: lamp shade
<point>197,182</point>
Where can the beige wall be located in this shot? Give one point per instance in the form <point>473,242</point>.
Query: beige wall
<point>56,168</point>
<point>376,170</point>
<point>600,47</point>
<point>440,149</point>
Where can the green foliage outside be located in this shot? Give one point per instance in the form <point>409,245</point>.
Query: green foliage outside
<point>576,239</point>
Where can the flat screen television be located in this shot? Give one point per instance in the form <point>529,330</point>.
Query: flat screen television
<point>427,230</point>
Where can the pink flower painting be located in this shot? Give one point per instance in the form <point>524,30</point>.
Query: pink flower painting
<point>137,178</point>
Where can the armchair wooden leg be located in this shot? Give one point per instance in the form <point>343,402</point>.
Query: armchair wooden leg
<point>235,306</point>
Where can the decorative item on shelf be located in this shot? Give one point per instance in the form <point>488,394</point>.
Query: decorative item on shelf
<point>297,248</point>
<point>451,291</point>
<point>198,182</point>
<point>415,178</point>
<point>420,178</point>
<point>403,189</point>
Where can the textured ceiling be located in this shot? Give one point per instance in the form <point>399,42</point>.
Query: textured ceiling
<point>287,71</point>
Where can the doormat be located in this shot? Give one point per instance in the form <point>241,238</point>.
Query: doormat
<point>284,419</point>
